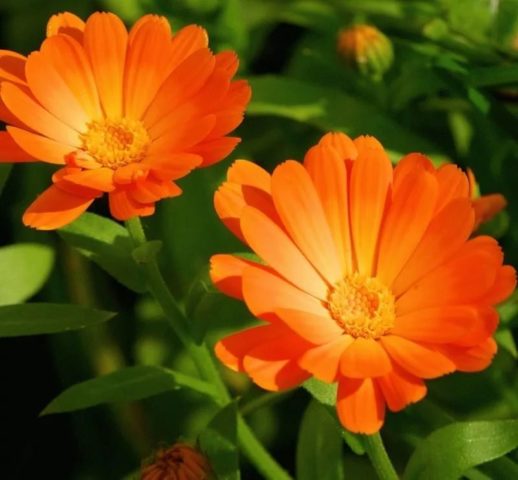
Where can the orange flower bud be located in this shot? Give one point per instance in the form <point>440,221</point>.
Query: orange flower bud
<point>181,461</point>
<point>366,49</point>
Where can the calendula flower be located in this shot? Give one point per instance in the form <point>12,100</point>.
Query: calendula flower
<point>123,113</point>
<point>180,462</point>
<point>485,206</point>
<point>368,276</point>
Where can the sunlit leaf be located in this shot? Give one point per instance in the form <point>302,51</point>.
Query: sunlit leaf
<point>126,385</point>
<point>452,450</point>
<point>108,244</point>
<point>41,318</point>
<point>25,268</point>
<point>219,442</point>
<point>319,447</point>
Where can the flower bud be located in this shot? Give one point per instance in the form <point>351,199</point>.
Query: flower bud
<point>366,49</point>
<point>179,461</point>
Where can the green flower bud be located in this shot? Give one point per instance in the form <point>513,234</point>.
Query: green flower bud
<point>366,49</point>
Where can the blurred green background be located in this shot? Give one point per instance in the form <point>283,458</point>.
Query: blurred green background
<point>451,93</point>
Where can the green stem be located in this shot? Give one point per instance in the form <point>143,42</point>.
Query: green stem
<point>267,399</point>
<point>202,357</point>
<point>379,457</point>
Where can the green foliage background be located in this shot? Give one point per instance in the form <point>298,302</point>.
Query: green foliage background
<point>451,94</point>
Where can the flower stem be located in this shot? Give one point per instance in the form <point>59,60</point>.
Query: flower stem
<point>202,357</point>
<point>379,457</point>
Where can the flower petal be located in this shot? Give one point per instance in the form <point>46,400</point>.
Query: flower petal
<point>360,405</point>
<point>400,389</point>
<point>123,207</point>
<point>316,329</point>
<point>39,147</point>
<point>66,23</point>
<point>11,152</point>
<point>472,359</point>
<point>299,207</point>
<point>364,358</point>
<point>226,273</point>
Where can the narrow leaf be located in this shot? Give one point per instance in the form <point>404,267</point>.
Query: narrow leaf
<point>219,442</point>
<point>319,447</point>
<point>456,448</point>
<point>41,318</point>
<point>107,244</point>
<point>5,170</point>
<point>126,385</point>
<point>25,267</point>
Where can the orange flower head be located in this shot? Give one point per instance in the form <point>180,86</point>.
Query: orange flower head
<point>485,206</point>
<point>181,461</point>
<point>368,278</point>
<point>122,113</point>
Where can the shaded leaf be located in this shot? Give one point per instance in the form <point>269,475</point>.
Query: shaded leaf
<point>219,442</point>
<point>319,447</point>
<point>452,450</point>
<point>5,170</point>
<point>25,268</point>
<point>128,384</point>
<point>107,244</point>
<point>42,318</point>
<point>146,252</point>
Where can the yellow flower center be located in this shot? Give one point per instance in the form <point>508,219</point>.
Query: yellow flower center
<point>362,306</point>
<point>115,143</point>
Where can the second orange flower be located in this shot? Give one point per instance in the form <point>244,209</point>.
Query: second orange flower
<point>123,113</point>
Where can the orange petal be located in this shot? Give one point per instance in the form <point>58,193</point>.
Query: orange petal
<point>265,292</point>
<point>123,207</point>
<point>299,207</point>
<point>37,118</point>
<point>232,349</point>
<point>274,246</point>
<point>11,152</point>
<point>316,329</point>
<point>12,67</point>
<point>487,206</point>
<point>453,183</point>
<point>226,272</point>
<point>69,59</point>
<point>131,173</point>
<point>185,42</point>
<point>417,359</point>
<point>181,85</point>
<point>228,62</point>
<point>327,170</point>
<point>484,325</point>
<point>58,100</point>
<point>215,150</point>
<point>365,143</point>
<point>248,173</point>
<point>405,223</point>
<point>447,232</point>
<point>400,389</point>
<point>370,182</point>
<point>341,143</point>
<point>436,325</point>
<point>40,147</point>
<point>465,278</point>
<point>411,164</point>
<point>323,361</point>
<point>168,166</point>
<point>147,190</point>
<point>504,285</point>
<point>105,42</point>
<point>98,179</point>
<point>66,24</point>
<point>473,359</point>
<point>148,52</point>
<point>360,405</point>
<point>180,137</point>
<point>273,364</point>
<point>364,358</point>
<point>55,208</point>
<point>226,122</point>
<point>144,21</point>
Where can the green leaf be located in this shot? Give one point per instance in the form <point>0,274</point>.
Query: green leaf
<point>494,76</point>
<point>25,268</point>
<point>330,109</point>
<point>107,244</point>
<point>41,318</point>
<point>319,447</point>
<point>5,170</point>
<point>456,448</point>
<point>219,442</point>
<point>324,392</point>
<point>128,384</point>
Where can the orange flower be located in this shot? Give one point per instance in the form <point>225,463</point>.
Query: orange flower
<point>124,113</point>
<point>485,206</point>
<point>180,462</point>
<point>369,277</point>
